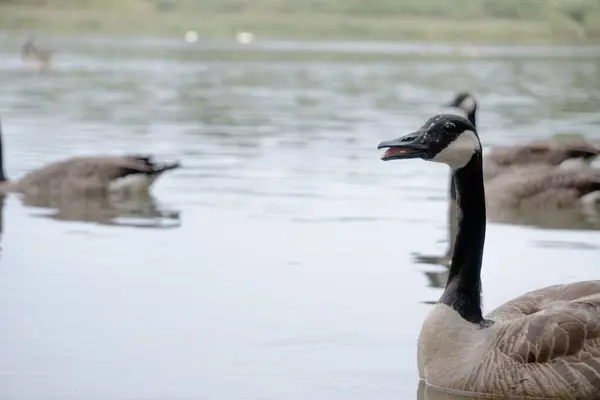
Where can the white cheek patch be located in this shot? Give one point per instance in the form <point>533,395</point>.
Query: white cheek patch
<point>459,152</point>
<point>468,104</point>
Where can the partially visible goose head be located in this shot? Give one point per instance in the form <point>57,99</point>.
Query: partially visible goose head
<point>464,104</point>
<point>445,138</point>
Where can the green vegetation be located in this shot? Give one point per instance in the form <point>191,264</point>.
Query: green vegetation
<point>558,21</point>
<point>567,136</point>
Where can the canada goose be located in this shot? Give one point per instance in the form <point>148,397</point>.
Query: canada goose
<point>87,176</point>
<point>40,57</point>
<point>534,158</point>
<point>545,343</point>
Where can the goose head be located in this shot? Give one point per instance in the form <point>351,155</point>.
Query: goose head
<point>444,138</point>
<point>465,104</point>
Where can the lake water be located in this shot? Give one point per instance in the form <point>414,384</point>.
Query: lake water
<point>277,262</point>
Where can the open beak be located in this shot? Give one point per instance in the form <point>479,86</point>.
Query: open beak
<point>403,148</point>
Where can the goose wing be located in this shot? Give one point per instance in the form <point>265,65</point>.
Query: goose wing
<point>556,332</point>
<point>552,323</point>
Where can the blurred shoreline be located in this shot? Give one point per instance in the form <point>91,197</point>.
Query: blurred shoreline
<point>211,19</point>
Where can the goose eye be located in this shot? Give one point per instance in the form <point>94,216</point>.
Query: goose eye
<point>449,126</point>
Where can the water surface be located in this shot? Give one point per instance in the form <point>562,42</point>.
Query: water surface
<point>286,269</point>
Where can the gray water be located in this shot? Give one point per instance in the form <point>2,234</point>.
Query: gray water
<point>277,262</point>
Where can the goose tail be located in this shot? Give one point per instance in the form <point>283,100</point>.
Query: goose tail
<point>159,168</point>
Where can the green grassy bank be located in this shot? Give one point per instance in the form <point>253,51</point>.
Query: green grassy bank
<point>511,21</point>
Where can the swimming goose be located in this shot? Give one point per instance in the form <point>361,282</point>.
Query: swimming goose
<point>545,343</point>
<point>88,176</point>
<point>550,189</point>
<point>40,57</point>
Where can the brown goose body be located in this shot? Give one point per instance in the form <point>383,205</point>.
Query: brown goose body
<point>88,176</point>
<point>545,189</point>
<point>543,344</point>
<point>541,153</point>
<point>91,176</point>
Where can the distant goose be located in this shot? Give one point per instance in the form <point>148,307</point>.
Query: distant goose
<point>543,344</point>
<point>40,57</point>
<point>530,176</point>
<point>88,176</point>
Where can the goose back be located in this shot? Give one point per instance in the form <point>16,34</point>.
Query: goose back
<point>548,153</point>
<point>544,189</point>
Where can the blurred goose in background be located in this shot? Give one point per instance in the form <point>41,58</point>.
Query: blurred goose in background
<point>88,176</point>
<point>531,179</point>
<point>39,57</point>
<point>542,344</point>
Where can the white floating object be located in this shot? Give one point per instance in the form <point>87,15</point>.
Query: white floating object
<point>244,37</point>
<point>191,36</point>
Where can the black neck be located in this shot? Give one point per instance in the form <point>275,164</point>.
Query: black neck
<point>2,176</point>
<point>463,289</point>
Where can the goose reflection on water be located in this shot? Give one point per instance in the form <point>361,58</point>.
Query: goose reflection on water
<point>134,211</point>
